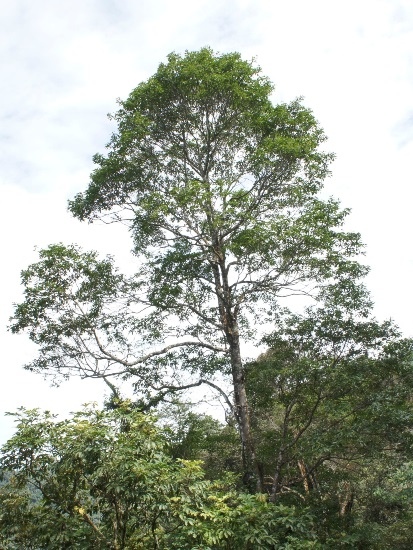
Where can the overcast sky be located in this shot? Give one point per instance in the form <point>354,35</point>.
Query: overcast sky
<point>63,64</point>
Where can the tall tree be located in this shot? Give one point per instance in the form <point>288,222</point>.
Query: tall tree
<point>220,190</point>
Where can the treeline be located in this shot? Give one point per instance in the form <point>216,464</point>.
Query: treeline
<point>334,443</point>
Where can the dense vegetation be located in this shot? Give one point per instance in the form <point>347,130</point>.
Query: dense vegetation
<point>221,191</point>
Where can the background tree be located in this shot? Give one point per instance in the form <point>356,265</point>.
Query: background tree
<point>220,190</point>
<point>195,436</point>
<point>332,414</point>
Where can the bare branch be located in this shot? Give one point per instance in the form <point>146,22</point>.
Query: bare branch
<point>156,352</point>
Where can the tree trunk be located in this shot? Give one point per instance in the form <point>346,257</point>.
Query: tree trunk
<point>304,475</point>
<point>277,476</point>
<point>252,477</point>
<point>346,499</point>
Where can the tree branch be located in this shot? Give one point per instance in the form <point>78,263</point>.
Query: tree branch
<point>155,353</point>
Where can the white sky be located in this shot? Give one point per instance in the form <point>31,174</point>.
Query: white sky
<point>63,64</point>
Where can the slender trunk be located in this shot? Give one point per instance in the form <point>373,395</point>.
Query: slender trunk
<point>346,499</point>
<point>281,458</point>
<point>304,475</point>
<point>277,476</point>
<point>251,471</point>
<point>228,317</point>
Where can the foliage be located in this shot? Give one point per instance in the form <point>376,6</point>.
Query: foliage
<point>194,436</point>
<point>332,417</point>
<point>104,480</point>
<point>385,520</point>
